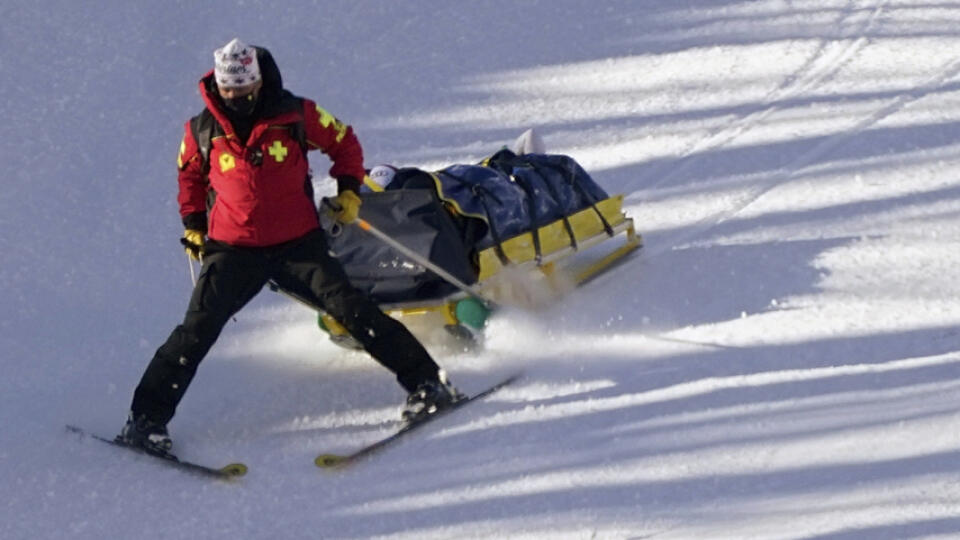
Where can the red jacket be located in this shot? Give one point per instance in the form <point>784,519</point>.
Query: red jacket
<point>271,202</point>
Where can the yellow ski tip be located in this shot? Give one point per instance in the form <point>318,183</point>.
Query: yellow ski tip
<point>329,460</point>
<point>234,469</point>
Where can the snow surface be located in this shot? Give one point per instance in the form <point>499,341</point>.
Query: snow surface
<point>780,361</point>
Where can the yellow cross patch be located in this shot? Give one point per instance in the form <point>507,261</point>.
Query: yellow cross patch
<point>227,162</point>
<point>278,151</point>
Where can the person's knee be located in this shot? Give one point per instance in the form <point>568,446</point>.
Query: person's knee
<point>189,342</point>
<point>180,343</point>
<point>361,317</point>
<point>345,302</point>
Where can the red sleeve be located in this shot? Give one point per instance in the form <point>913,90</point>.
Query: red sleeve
<point>192,194</point>
<point>334,138</point>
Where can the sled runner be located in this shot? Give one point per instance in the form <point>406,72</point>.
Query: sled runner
<point>538,215</point>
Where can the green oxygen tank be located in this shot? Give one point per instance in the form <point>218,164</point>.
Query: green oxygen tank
<point>472,312</point>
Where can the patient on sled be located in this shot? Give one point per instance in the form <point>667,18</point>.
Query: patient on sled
<point>448,216</point>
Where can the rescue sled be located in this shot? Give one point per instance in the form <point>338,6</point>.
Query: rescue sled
<point>539,216</point>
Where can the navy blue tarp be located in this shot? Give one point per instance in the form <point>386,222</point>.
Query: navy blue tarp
<point>514,194</point>
<point>448,216</point>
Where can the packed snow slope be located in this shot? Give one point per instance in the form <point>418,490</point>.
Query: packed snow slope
<point>780,361</point>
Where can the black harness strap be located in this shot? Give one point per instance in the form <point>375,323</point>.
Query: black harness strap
<point>571,176</point>
<point>532,205</point>
<point>202,126</point>
<point>566,219</point>
<point>481,193</point>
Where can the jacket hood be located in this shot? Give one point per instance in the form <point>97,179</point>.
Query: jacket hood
<point>272,81</point>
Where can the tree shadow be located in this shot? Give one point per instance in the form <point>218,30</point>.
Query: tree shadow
<point>916,528</point>
<point>616,439</point>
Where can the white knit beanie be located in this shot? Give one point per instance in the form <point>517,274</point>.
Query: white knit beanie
<point>236,65</point>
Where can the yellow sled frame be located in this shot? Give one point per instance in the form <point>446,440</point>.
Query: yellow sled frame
<point>556,244</point>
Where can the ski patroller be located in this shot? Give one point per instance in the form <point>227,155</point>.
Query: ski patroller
<point>342,460</point>
<point>233,470</point>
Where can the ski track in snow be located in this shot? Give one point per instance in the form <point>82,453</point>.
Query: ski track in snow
<point>779,361</point>
<point>819,67</point>
<point>776,178</point>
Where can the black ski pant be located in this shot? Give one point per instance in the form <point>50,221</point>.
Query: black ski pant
<point>231,276</point>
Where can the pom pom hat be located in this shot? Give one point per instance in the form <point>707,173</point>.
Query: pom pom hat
<point>235,65</point>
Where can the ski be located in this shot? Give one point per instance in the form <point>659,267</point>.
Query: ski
<point>328,461</point>
<point>233,470</point>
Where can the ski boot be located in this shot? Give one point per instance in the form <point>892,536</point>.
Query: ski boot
<point>149,436</point>
<point>429,398</point>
